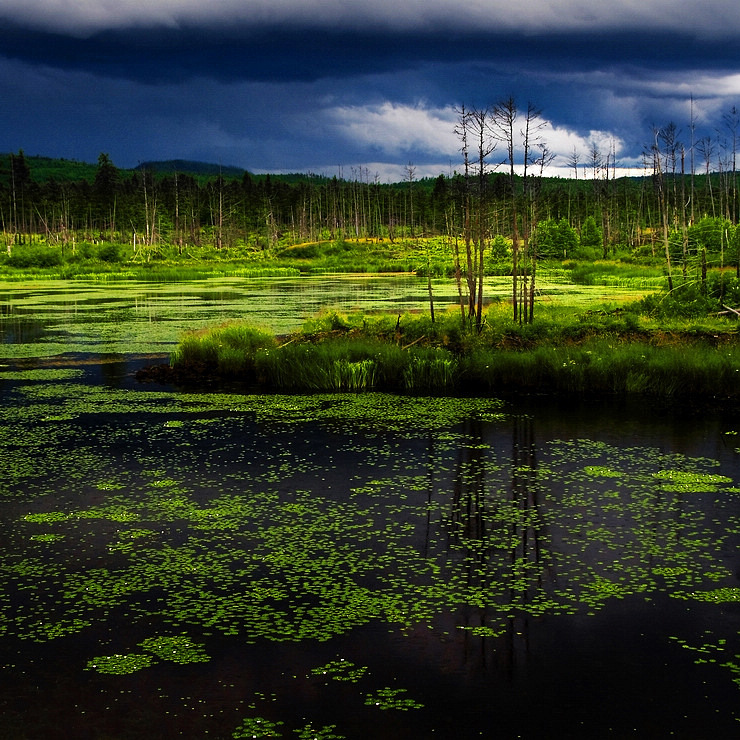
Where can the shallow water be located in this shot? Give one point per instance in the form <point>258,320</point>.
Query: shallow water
<point>46,318</point>
<point>216,564</point>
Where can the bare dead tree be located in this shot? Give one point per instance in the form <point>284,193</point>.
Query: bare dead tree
<point>573,161</point>
<point>706,148</point>
<point>544,160</point>
<point>462,130</point>
<point>732,125</point>
<point>486,145</point>
<point>503,124</point>
<point>530,138</point>
<point>658,160</point>
<point>410,173</point>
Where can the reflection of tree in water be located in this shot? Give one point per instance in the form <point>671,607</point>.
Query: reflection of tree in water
<point>495,529</point>
<point>525,533</point>
<point>114,370</point>
<point>16,329</point>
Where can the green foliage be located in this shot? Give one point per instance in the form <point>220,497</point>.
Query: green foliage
<point>606,351</point>
<point>113,253</point>
<point>342,363</point>
<point>432,370</point>
<point>34,256</point>
<point>44,169</point>
<point>591,234</point>
<point>598,366</point>
<point>557,239</point>
<point>499,248</point>
<point>228,350</point>
<point>712,234</point>
<point>316,224</point>
<point>617,274</point>
<point>694,298</point>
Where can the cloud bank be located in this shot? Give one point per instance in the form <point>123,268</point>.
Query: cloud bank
<point>712,18</point>
<point>317,85</point>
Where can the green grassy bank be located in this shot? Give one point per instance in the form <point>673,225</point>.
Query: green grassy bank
<point>609,351</point>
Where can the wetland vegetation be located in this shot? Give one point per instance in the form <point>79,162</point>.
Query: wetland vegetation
<point>452,556</point>
<point>348,565</point>
<point>232,565</point>
<point>664,345</point>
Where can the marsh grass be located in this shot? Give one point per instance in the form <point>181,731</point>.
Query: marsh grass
<point>603,367</point>
<point>228,350</point>
<point>335,363</point>
<point>610,351</point>
<point>617,274</point>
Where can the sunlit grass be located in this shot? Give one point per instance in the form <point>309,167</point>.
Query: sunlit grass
<point>606,351</point>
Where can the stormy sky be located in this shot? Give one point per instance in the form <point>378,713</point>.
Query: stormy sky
<point>356,86</point>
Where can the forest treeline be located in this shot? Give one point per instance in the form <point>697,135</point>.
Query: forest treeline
<point>592,216</point>
<point>670,213</point>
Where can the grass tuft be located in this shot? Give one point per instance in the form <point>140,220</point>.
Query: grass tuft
<point>604,351</point>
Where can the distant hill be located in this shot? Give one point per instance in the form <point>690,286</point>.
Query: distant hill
<point>188,167</point>
<point>44,169</point>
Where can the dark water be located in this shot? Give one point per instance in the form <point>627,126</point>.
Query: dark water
<point>481,499</point>
<point>532,568</point>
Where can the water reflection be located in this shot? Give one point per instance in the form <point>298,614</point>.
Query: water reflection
<point>541,555</point>
<point>19,330</point>
<point>145,317</point>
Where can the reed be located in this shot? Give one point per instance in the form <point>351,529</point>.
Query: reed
<point>228,350</point>
<point>435,372</point>
<point>601,367</point>
<point>595,353</point>
<point>337,363</point>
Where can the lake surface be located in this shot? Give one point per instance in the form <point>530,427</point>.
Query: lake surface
<point>50,317</point>
<point>361,566</point>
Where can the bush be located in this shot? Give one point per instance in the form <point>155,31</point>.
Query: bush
<point>112,253</point>
<point>34,256</point>
<point>591,235</point>
<point>694,299</point>
<point>556,239</point>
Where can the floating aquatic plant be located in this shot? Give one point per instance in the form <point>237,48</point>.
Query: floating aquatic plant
<point>252,727</point>
<point>388,698</point>
<point>119,664</point>
<point>290,519</point>
<point>178,649</point>
<point>327,732</point>
<point>340,670</point>
<point>717,595</point>
<point>690,482</point>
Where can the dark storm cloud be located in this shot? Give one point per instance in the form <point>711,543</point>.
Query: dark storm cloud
<point>167,55</point>
<point>80,18</point>
<point>282,84</point>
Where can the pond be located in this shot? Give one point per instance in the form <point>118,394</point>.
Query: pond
<point>49,317</point>
<point>352,566</point>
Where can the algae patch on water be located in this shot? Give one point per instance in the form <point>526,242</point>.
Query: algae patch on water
<point>176,649</point>
<point>295,519</point>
